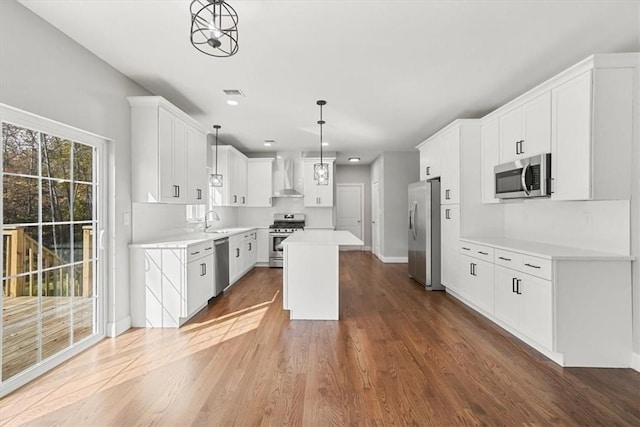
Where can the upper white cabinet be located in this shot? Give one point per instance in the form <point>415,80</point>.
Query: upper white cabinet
<point>583,117</point>
<point>259,182</point>
<point>526,130</point>
<point>165,144</point>
<point>592,135</point>
<point>317,195</point>
<point>450,163</point>
<point>232,165</point>
<point>450,235</point>
<point>430,158</point>
<point>490,157</point>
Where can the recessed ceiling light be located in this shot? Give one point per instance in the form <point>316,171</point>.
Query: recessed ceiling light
<point>325,143</point>
<point>232,102</point>
<point>269,142</point>
<point>354,159</point>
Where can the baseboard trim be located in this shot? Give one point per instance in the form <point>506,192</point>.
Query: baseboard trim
<point>635,361</point>
<point>367,248</point>
<point>115,329</point>
<point>394,259</point>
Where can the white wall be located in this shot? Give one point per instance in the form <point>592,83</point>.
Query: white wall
<point>400,168</point>
<point>44,72</point>
<point>635,217</point>
<point>359,174</point>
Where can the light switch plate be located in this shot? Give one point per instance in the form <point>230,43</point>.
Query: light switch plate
<point>126,218</point>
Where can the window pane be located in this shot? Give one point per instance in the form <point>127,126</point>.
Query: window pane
<point>83,276</point>
<point>83,202</point>
<point>56,158</point>
<point>55,201</point>
<point>19,256</point>
<point>56,321</point>
<point>19,150</point>
<point>19,334</point>
<point>57,282</point>
<point>82,242</point>
<point>83,301</point>
<point>56,245</point>
<point>20,199</point>
<point>82,162</point>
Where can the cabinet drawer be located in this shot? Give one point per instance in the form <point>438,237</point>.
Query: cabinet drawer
<point>477,251</point>
<point>508,259</point>
<point>199,250</point>
<point>539,267</point>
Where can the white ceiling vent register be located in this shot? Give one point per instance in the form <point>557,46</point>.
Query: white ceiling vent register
<point>233,92</point>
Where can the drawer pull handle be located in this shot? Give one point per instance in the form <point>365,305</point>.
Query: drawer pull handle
<point>466,249</point>
<point>518,286</point>
<point>209,248</point>
<point>483,253</point>
<point>532,266</point>
<point>513,285</point>
<point>504,259</point>
<point>195,253</point>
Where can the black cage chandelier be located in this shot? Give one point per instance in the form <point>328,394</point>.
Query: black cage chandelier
<point>216,179</point>
<point>214,27</point>
<point>321,170</point>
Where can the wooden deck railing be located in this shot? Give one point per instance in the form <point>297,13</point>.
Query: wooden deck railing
<point>21,256</point>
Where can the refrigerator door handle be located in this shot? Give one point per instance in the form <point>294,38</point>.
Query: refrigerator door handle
<point>413,220</point>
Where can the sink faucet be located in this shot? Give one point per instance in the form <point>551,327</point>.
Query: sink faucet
<point>206,221</point>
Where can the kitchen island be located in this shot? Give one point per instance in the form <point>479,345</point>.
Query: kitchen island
<point>311,274</point>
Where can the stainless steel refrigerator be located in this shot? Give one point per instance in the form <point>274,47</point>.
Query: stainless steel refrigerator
<point>424,233</point>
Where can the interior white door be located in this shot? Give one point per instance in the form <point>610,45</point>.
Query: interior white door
<point>349,209</point>
<point>375,219</point>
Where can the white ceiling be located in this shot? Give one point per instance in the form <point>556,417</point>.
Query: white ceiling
<point>392,72</point>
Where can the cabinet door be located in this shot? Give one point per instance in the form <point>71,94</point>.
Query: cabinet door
<point>483,285</point>
<point>310,185</point>
<point>195,292</point>
<point>241,176</point>
<point>449,241</point>
<point>234,174</point>
<point>262,252</point>
<point>450,168</point>
<point>537,309</point>
<point>571,139</point>
<point>168,190</point>
<point>466,278</point>
<point>180,159</point>
<point>537,126</point>
<point>508,304</point>
<point>196,166</point>
<point>325,192</point>
<point>430,159</point>
<point>259,183</point>
<point>510,134</point>
<point>490,158</point>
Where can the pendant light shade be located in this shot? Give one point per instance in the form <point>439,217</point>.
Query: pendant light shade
<point>214,27</point>
<point>321,170</point>
<point>216,179</point>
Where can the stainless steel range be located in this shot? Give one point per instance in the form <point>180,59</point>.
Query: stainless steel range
<point>283,226</point>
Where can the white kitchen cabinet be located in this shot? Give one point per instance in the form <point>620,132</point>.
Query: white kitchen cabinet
<point>259,182</point>
<point>430,158</point>
<point>490,152</point>
<point>591,136</point>
<point>232,165</point>
<point>526,130</point>
<point>161,141</point>
<point>450,167</point>
<point>197,186</point>
<point>317,195</point>
<point>571,305</point>
<point>477,278</point>
<point>235,257</point>
<point>249,251</point>
<point>449,240</point>
<point>262,243</point>
<point>170,284</point>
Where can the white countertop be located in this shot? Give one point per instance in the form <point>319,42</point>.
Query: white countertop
<point>544,250</point>
<point>322,237</point>
<point>181,241</point>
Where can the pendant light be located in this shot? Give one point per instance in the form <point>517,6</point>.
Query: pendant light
<point>321,170</point>
<point>214,27</point>
<point>216,179</point>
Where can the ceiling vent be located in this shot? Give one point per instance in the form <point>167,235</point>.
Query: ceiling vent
<point>233,92</point>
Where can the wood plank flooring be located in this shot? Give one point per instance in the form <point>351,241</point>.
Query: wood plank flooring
<point>399,356</point>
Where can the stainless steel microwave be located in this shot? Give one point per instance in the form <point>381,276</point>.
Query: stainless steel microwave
<point>524,178</point>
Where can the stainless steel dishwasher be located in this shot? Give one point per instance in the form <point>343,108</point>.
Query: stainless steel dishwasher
<point>222,265</point>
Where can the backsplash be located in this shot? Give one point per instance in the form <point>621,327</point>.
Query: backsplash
<point>595,225</point>
<point>315,217</point>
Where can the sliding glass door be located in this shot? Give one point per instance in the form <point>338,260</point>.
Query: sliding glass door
<point>51,219</point>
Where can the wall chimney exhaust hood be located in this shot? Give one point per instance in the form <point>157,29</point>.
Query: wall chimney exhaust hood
<point>284,177</point>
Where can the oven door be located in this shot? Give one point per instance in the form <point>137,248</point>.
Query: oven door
<point>275,246</point>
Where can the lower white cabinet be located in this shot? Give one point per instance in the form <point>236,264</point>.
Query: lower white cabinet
<point>449,241</point>
<point>170,284</point>
<point>242,254</point>
<point>525,302</point>
<point>574,306</point>
<point>262,243</point>
<point>477,278</point>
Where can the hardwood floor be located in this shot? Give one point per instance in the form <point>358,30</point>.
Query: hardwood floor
<point>399,356</point>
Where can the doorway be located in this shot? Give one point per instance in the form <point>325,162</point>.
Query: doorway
<point>52,217</point>
<point>375,219</point>
<point>350,210</point>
